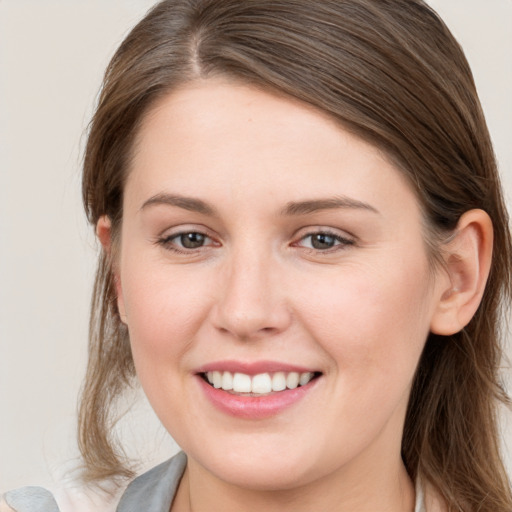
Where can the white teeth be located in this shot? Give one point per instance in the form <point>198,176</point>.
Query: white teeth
<point>242,383</point>
<point>260,384</point>
<point>279,381</point>
<point>227,381</point>
<point>217,379</point>
<point>292,381</point>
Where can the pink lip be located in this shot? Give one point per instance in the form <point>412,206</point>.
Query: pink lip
<point>252,368</point>
<point>254,407</point>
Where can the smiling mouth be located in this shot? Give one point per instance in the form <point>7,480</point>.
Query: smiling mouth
<point>258,385</point>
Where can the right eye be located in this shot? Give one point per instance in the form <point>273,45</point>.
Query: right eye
<point>191,240</point>
<point>321,241</point>
<point>186,241</point>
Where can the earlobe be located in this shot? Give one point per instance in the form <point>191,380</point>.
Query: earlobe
<point>467,257</point>
<point>104,234</point>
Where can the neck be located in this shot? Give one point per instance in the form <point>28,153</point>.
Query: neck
<point>340,491</point>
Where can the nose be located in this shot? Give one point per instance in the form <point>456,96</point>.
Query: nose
<point>252,299</point>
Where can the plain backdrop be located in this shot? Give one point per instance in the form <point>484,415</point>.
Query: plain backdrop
<point>52,56</point>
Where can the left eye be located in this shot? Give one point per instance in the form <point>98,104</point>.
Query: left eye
<point>323,241</point>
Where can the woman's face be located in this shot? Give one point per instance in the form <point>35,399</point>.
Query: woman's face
<point>263,244</point>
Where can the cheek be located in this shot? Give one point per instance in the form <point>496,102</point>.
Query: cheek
<point>372,320</point>
<point>164,307</point>
<point>164,315</point>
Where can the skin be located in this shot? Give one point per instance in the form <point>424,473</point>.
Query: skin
<point>260,289</point>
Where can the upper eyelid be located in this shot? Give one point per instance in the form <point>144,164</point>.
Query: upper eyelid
<point>315,230</point>
<point>173,231</point>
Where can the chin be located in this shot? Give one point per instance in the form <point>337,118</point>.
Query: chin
<point>277,466</point>
<point>274,475</point>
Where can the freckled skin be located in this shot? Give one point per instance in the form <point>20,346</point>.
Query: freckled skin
<point>257,287</point>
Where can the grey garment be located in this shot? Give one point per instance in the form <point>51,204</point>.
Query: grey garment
<point>31,499</point>
<point>154,491</point>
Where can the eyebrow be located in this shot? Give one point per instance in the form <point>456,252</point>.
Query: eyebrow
<point>331,203</point>
<point>187,203</point>
<point>291,209</point>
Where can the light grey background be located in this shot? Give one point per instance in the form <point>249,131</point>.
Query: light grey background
<point>52,55</point>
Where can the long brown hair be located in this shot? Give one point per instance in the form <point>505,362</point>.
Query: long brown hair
<point>390,72</point>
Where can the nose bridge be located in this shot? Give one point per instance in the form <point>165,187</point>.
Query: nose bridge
<point>251,302</point>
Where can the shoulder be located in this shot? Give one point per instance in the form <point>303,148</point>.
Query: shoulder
<point>28,499</point>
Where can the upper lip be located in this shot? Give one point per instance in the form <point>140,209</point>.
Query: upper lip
<point>252,367</point>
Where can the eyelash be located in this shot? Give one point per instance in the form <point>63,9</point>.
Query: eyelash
<point>340,242</point>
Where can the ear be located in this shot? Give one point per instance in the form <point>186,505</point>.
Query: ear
<point>467,258</point>
<point>104,234</point>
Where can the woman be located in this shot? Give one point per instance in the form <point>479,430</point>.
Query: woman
<point>305,251</point>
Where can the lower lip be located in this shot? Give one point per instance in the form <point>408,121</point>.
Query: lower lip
<point>254,407</point>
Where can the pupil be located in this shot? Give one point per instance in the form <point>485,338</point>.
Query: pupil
<point>192,240</point>
<point>323,241</point>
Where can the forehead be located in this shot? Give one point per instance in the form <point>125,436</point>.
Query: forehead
<point>228,140</point>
